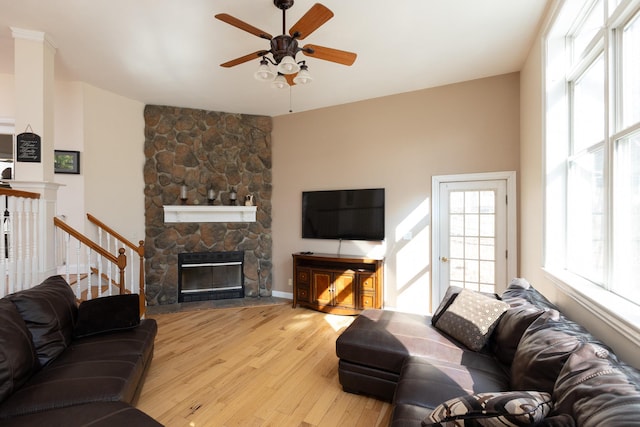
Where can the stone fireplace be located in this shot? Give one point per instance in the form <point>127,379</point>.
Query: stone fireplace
<point>205,150</point>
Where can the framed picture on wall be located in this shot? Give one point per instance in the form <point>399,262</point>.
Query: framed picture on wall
<point>66,161</point>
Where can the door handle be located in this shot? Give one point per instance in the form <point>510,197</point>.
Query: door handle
<point>444,259</point>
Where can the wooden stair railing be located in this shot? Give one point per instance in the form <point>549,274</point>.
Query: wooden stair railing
<point>6,191</point>
<point>120,260</point>
<point>139,250</point>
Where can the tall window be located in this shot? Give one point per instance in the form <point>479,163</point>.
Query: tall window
<point>593,144</point>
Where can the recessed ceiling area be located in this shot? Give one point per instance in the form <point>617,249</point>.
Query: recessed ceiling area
<point>169,53</point>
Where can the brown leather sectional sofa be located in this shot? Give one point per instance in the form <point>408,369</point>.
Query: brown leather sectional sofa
<point>405,359</point>
<point>64,365</point>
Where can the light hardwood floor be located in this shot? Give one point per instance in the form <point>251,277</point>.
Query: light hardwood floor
<point>252,366</point>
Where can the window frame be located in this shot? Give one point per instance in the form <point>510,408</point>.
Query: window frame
<point>561,67</point>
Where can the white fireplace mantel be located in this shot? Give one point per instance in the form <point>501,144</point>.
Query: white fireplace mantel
<point>207,213</point>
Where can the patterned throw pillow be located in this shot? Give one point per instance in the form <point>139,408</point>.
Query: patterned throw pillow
<point>509,408</point>
<point>449,297</point>
<point>471,318</point>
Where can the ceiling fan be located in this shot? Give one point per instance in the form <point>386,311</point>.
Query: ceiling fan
<point>285,46</point>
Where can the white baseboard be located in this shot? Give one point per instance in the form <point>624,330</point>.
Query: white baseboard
<point>279,294</point>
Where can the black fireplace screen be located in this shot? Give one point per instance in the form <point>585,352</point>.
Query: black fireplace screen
<point>210,275</point>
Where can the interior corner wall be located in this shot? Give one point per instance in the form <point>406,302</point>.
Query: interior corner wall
<point>397,142</point>
<point>69,135</point>
<point>113,160</point>
<point>108,131</point>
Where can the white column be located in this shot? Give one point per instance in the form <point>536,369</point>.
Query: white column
<point>34,108</point>
<point>34,98</point>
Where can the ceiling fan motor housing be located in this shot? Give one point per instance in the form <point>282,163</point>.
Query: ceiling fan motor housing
<point>283,4</point>
<point>282,46</point>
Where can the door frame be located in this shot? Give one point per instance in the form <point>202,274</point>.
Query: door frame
<point>512,226</point>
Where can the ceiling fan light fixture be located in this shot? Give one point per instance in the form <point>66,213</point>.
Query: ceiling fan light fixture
<point>286,71</point>
<point>264,74</point>
<point>288,65</point>
<point>303,77</point>
<point>279,82</point>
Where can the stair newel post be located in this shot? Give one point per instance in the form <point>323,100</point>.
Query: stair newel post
<point>122,264</point>
<point>141,282</point>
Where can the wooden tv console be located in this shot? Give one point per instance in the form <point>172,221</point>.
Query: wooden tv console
<point>338,284</point>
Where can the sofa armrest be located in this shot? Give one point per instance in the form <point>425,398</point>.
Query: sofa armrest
<point>107,314</point>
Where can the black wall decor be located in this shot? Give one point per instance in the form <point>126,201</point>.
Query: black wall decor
<point>28,147</point>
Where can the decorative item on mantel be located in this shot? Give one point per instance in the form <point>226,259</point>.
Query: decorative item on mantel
<point>183,194</point>
<point>211,196</point>
<point>248,200</point>
<point>233,196</point>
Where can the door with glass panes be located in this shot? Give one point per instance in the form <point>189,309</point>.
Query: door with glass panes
<point>472,235</point>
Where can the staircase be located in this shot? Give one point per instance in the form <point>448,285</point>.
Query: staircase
<point>92,268</point>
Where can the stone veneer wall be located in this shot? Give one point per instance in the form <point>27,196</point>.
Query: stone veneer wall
<point>205,149</point>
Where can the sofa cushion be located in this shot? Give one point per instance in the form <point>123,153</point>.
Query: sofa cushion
<point>49,311</point>
<point>543,349</point>
<point>107,314</point>
<point>597,390</point>
<point>520,290</point>
<point>427,382</point>
<point>519,283</point>
<point>108,367</point>
<point>17,355</point>
<point>471,318</point>
<point>510,328</point>
<point>404,415</point>
<point>492,409</point>
<point>97,414</point>
<point>382,339</point>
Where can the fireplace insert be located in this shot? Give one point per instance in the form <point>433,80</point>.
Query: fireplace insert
<point>210,275</point>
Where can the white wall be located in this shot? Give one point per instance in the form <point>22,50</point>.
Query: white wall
<point>397,142</point>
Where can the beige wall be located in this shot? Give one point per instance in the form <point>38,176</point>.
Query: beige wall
<point>532,208</point>
<point>69,135</point>
<point>108,130</point>
<point>397,142</point>
<point>114,160</point>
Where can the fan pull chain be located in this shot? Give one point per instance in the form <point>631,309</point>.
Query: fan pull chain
<point>290,102</point>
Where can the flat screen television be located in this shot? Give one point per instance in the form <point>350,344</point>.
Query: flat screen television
<point>343,214</point>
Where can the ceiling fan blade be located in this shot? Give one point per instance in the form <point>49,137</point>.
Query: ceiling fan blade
<point>244,59</point>
<point>328,54</point>
<point>310,21</point>
<point>243,26</point>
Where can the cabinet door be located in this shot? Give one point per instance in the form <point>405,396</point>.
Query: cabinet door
<point>343,290</point>
<point>322,287</point>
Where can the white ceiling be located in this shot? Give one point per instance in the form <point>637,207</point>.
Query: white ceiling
<point>168,52</point>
